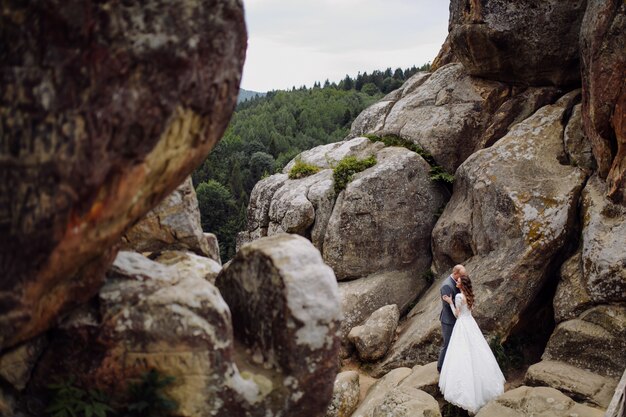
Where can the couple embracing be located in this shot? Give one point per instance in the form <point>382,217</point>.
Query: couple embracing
<point>469,375</point>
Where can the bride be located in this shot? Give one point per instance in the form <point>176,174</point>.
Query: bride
<point>470,376</point>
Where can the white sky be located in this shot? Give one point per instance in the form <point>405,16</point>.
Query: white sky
<point>296,42</point>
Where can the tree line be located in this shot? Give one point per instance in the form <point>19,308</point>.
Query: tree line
<point>265,133</point>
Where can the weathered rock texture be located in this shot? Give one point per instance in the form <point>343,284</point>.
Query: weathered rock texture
<point>346,391</point>
<point>603,55</point>
<point>150,315</point>
<point>538,401</point>
<point>285,307</point>
<point>187,263</point>
<point>172,225</point>
<point>511,215</point>
<point>617,407</point>
<point>105,109</point>
<point>580,385</point>
<point>522,42</point>
<point>377,392</point>
<point>373,338</point>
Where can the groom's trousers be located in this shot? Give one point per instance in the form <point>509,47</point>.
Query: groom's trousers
<point>446,332</point>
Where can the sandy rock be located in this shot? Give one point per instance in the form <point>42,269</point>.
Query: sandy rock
<point>172,225</point>
<point>214,247</point>
<point>383,219</point>
<point>99,129</point>
<point>537,401</point>
<point>188,263</point>
<point>425,378</point>
<point>512,211</point>
<point>522,42</point>
<point>373,338</point>
<point>595,341</point>
<point>603,57</point>
<point>283,279</point>
<point>578,384</point>
<point>604,240</point>
<point>345,395</point>
<point>377,392</point>
<point>361,297</point>
<point>406,401</point>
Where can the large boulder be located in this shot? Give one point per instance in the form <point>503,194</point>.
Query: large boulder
<point>518,41</point>
<point>578,384</point>
<point>536,401</point>
<point>172,225</point>
<point>603,56</point>
<point>383,219</point>
<point>406,401</point>
<point>104,111</point>
<point>595,341</point>
<point>285,307</point>
<point>373,338</point>
<point>511,216</point>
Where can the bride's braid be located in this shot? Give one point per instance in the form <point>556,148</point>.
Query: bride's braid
<point>466,287</point>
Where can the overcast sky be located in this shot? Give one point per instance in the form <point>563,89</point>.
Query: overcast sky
<point>296,42</point>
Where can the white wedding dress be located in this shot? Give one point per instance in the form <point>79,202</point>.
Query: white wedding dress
<point>470,376</point>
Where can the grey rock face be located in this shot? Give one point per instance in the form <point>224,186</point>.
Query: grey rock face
<point>172,225</point>
<point>373,338</point>
<point>346,392</point>
<point>604,240</point>
<point>285,308</point>
<point>578,384</point>
<point>595,341</point>
<point>511,212</point>
<point>383,219</point>
<point>540,401</point>
<point>515,41</point>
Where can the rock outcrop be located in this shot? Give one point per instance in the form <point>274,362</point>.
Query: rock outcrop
<point>105,111</point>
<point>373,338</point>
<point>511,214</point>
<point>603,56</point>
<point>521,42</point>
<point>172,225</point>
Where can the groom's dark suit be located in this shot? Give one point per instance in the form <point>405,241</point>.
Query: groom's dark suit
<point>446,317</point>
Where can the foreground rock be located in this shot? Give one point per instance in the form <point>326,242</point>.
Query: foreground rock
<point>377,392</point>
<point>539,401</point>
<point>512,213</point>
<point>580,385</point>
<point>374,337</point>
<point>97,129</point>
<point>346,392</point>
<point>522,42</point>
<point>150,315</point>
<point>172,225</point>
<point>282,280</point>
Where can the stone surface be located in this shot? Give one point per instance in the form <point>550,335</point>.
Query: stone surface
<point>285,307</point>
<point>377,392</point>
<point>17,364</point>
<point>424,378</point>
<point>172,225</point>
<point>512,212</point>
<point>406,401</point>
<point>577,146</point>
<point>361,297</point>
<point>580,385</point>
<point>595,341</point>
<point>383,219</point>
<point>571,297</point>
<point>603,241</point>
<point>603,57</point>
<point>214,247</point>
<point>522,41</point>
<point>617,407</point>
<point>105,110</point>
<point>373,338</point>
<point>151,315</point>
<point>187,263</point>
<point>345,395</point>
<point>536,401</point>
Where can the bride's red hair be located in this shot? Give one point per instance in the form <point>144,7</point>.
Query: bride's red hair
<point>466,288</point>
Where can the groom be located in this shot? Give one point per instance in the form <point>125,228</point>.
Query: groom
<point>447,317</point>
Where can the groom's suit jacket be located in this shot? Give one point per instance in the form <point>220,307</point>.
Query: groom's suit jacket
<point>448,287</point>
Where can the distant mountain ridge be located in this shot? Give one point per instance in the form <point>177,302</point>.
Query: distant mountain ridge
<point>247,95</point>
